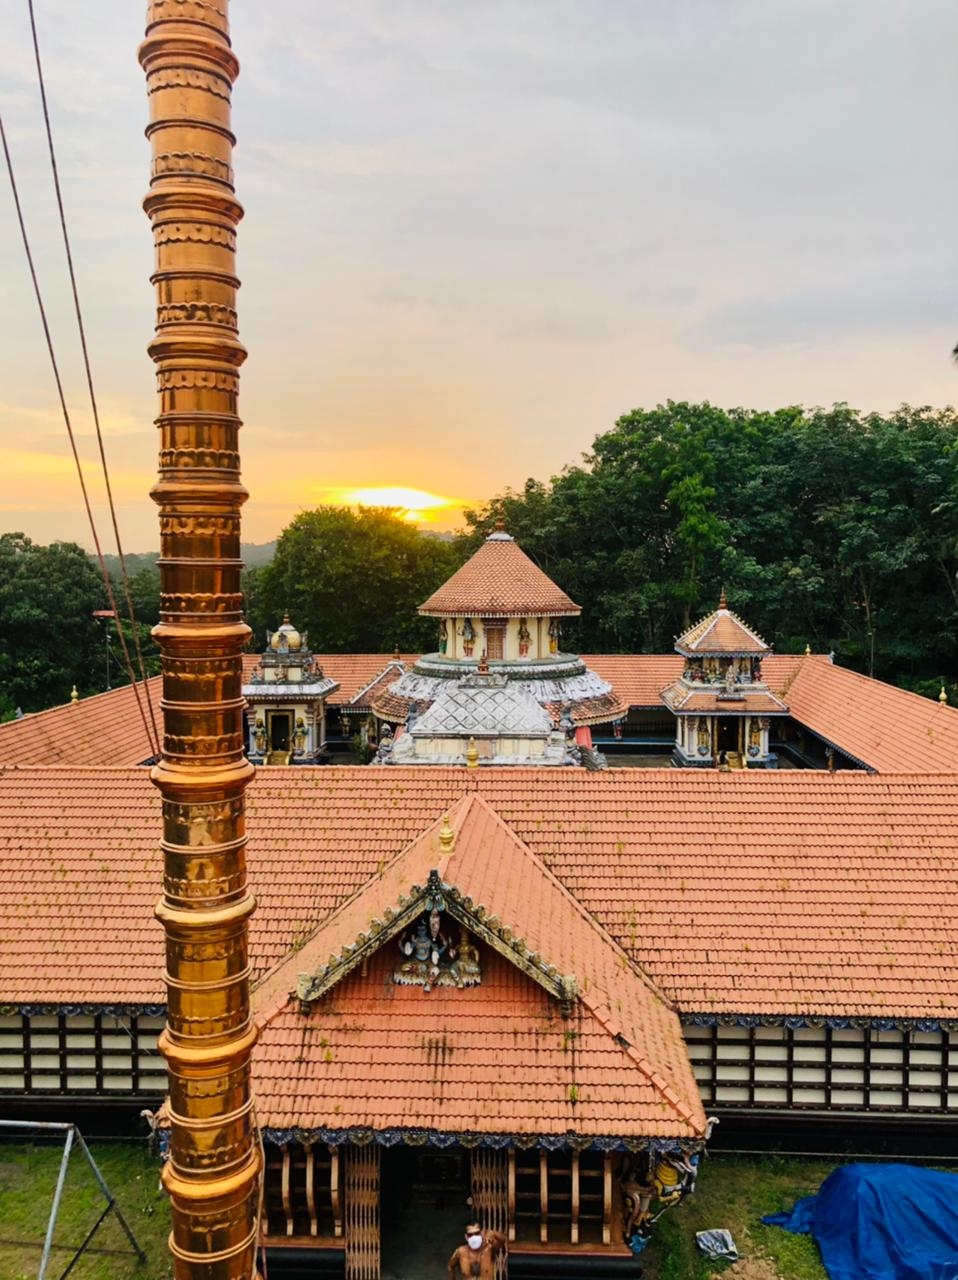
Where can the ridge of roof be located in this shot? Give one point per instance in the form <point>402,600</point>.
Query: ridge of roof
<point>733,627</point>
<point>452,875</point>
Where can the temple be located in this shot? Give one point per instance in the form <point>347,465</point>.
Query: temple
<point>286,697</point>
<point>499,689</point>
<point>512,985</point>
<point>723,709</point>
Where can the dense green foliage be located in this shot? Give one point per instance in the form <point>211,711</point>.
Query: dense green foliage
<point>827,527</point>
<point>353,579</point>
<point>49,640</point>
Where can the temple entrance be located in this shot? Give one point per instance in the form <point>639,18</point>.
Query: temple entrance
<point>279,728</point>
<point>424,1210</point>
<point>728,731</point>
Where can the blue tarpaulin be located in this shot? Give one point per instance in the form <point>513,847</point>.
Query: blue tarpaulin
<point>881,1222</point>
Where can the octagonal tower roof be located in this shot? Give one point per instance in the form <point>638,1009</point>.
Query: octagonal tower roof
<point>499,581</point>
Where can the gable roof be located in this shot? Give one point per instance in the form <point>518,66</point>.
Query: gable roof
<point>499,581</point>
<point>722,632</point>
<point>512,903</point>
<point>792,893</point>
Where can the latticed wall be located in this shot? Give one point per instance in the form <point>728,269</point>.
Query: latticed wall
<point>490,1194</point>
<point>362,1182</point>
<point>304,1191</point>
<point>846,1069</point>
<point>86,1053</point>
<point>561,1197</point>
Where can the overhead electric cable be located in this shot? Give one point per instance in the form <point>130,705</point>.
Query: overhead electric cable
<point>151,739</point>
<point>131,611</point>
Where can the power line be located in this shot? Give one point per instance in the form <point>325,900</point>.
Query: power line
<point>151,739</point>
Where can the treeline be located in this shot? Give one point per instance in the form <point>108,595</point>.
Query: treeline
<point>827,527</point>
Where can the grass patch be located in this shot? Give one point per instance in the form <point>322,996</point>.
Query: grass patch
<point>734,1192</point>
<point>28,1177</point>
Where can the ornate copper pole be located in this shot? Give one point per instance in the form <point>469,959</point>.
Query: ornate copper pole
<point>213,1173</point>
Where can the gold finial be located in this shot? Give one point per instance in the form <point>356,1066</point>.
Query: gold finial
<point>75,697</point>
<point>943,696</point>
<point>500,523</point>
<point>808,650</point>
<point>396,654</point>
<point>723,602</point>
<point>472,755</point>
<point>447,836</point>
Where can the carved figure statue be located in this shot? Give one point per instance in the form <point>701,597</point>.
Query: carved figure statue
<point>426,950</point>
<point>300,737</point>
<point>524,639</point>
<point>555,631</point>
<point>260,735</point>
<point>468,637</point>
<point>465,966</point>
<point>443,638</point>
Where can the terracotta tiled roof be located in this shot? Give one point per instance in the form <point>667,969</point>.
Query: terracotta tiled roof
<point>103,729</point>
<point>488,867</point>
<point>880,726</point>
<point>499,580</point>
<point>722,632</point>
<point>753,892</point>
<point>752,702</point>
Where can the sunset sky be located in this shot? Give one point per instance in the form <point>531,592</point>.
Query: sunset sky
<point>477,233</point>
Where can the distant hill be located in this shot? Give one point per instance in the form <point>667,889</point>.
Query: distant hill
<point>255,554</point>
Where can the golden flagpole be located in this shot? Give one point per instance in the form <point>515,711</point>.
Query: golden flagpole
<point>214,1169</point>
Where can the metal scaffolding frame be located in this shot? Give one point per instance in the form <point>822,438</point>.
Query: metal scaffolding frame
<point>72,1134</point>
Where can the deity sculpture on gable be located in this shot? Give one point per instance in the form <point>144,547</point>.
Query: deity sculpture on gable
<point>430,960</point>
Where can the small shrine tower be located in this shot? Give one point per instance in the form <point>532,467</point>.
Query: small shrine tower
<point>498,689</point>
<point>286,696</point>
<point>722,708</point>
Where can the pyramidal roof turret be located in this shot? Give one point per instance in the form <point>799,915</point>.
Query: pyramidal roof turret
<point>499,581</point>
<point>722,632</point>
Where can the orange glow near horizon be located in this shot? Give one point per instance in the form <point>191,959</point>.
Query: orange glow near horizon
<point>415,505</point>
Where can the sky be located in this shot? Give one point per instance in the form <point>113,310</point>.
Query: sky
<point>477,234</point>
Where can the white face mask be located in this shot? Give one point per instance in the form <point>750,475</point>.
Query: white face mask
<point>474,1242</point>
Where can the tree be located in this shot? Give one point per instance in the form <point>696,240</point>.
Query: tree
<point>49,640</point>
<point>827,527</point>
<point>353,579</point>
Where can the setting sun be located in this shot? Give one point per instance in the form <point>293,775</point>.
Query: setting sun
<point>415,505</point>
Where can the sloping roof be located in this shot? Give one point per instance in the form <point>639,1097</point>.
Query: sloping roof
<point>882,727</point>
<point>753,892</point>
<point>492,876</point>
<point>879,725</point>
<point>103,729</point>
<point>499,580</point>
<point>722,632</point>
<point>745,701</point>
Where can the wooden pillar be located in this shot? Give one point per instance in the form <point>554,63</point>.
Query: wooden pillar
<point>607,1200</point>
<point>512,1196</point>
<point>574,1231</point>
<point>543,1197</point>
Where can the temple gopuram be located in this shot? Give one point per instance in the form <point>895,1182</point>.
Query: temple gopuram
<point>286,695</point>
<point>722,707</point>
<point>499,689</point>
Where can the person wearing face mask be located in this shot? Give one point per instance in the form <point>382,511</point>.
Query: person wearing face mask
<point>477,1257</point>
